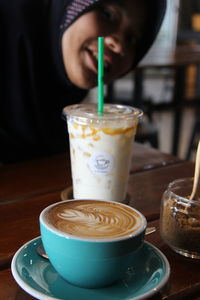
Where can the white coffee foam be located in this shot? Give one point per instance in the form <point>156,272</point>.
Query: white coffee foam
<point>95,219</point>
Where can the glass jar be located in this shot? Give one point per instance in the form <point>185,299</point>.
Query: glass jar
<point>180,218</point>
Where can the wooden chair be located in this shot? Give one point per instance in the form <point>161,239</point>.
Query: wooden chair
<point>192,145</point>
<point>193,36</point>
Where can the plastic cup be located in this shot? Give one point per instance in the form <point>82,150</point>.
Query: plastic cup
<point>101,149</point>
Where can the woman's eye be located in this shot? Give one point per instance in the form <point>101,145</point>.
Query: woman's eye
<point>108,13</point>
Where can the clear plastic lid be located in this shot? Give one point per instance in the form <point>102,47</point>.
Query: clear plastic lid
<point>112,112</point>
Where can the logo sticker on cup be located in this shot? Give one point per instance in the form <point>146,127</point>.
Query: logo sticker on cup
<point>101,163</point>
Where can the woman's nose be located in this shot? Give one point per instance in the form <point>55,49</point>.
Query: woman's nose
<point>114,44</point>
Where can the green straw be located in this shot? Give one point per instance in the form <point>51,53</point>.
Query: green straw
<point>100,75</point>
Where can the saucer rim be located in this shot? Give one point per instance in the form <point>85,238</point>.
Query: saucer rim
<point>25,286</point>
<point>41,296</point>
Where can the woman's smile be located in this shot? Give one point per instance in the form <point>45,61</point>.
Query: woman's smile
<point>91,58</point>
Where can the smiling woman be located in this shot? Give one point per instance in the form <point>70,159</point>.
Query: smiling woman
<point>48,59</point>
<point>121,23</point>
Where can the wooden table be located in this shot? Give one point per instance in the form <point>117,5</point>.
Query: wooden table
<point>26,188</point>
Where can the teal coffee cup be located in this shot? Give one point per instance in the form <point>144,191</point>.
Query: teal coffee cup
<point>91,243</point>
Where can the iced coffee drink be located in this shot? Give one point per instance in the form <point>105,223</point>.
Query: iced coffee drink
<point>100,149</point>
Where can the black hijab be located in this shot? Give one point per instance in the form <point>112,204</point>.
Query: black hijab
<point>34,87</point>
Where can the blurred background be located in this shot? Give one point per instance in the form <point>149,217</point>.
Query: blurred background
<point>166,84</point>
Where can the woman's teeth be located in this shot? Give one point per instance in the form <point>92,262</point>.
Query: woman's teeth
<point>106,64</point>
<point>95,54</point>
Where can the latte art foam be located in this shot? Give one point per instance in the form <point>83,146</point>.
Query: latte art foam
<point>94,219</point>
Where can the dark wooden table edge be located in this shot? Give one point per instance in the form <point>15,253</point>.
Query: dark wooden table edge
<point>158,166</point>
